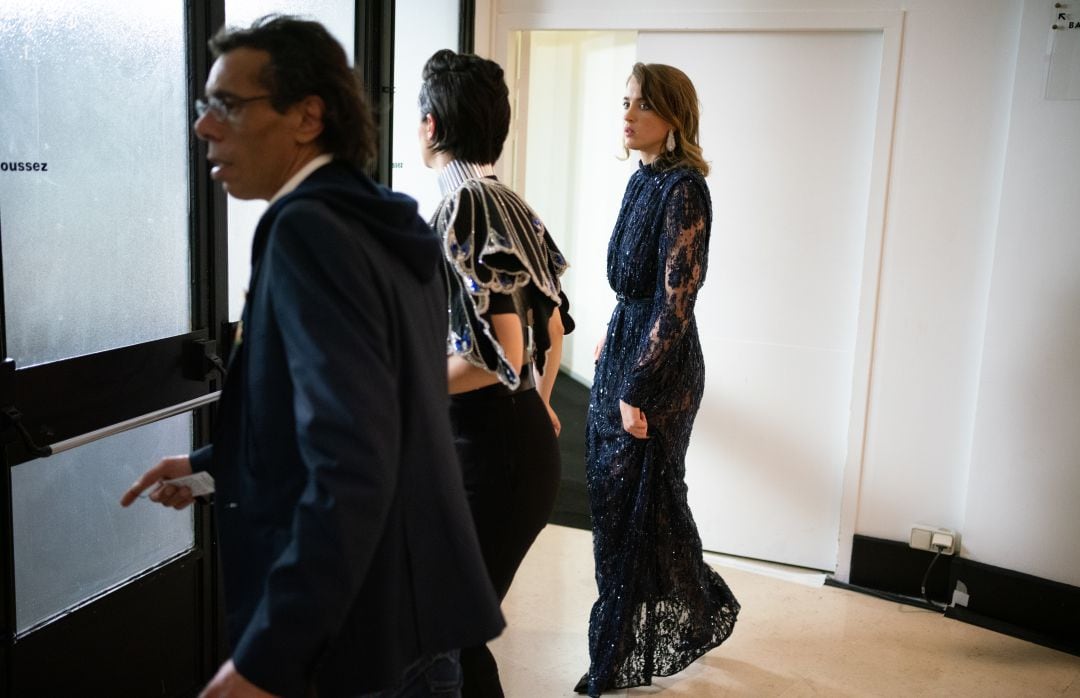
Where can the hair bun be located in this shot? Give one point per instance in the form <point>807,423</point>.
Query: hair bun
<point>447,61</point>
<point>467,97</point>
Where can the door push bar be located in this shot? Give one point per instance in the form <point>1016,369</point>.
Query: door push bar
<point>198,360</point>
<point>134,422</point>
<point>11,417</point>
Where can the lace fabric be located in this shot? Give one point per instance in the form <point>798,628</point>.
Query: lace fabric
<point>659,606</point>
<point>495,243</point>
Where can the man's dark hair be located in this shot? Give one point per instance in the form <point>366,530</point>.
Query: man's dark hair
<point>468,98</point>
<point>305,60</point>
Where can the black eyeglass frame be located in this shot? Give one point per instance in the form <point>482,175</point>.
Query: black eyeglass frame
<point>224,107</point>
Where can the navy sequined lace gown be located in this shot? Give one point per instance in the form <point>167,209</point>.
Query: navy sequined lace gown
<point>660,606</point>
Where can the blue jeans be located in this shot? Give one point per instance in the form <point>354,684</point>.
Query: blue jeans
<point>431,676</point>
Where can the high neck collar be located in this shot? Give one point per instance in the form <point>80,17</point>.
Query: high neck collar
<point>457,171</point>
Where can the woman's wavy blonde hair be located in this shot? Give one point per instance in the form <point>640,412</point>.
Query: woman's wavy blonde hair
<point>672,96</point>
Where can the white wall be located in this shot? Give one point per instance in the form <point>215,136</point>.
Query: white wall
<point>951,124</point>
<point>1025,466</point>
<point>984,448</point>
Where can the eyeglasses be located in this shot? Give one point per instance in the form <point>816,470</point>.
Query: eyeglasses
<point>223,108</point>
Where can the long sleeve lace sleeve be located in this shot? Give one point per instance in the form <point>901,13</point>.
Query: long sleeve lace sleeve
<point>683,250</point>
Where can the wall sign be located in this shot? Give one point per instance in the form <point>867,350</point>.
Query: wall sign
<point>1063,70</point>
<point>19,166</point>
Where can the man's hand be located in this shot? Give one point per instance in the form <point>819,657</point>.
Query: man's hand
<point>167,495</point>
<point>228,683</point>
<point>633,421</point>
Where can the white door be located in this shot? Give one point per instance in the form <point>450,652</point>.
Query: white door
<point>788,122</point>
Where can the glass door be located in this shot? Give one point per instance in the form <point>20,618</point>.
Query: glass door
<point>116,293</point>
<point>108,315</point>
<point>421,28</point>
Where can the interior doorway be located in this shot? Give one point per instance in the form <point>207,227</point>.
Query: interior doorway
<point>789,121</point>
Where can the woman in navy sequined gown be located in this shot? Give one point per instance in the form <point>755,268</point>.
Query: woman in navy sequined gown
<point>660,606</point>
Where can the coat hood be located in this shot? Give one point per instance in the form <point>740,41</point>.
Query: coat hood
<point>390,217</point>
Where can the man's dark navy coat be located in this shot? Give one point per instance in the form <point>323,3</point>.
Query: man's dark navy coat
<point>346,541</point>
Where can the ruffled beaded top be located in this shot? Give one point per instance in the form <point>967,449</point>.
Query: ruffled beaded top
<point>495,243</point>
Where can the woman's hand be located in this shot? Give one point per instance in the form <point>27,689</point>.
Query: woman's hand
<point>599,348</point>
<point>555,424</point>
<point>228,683</point>
<point>633,421</point>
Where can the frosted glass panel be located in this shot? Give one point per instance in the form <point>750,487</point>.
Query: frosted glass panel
<point>94,214</point>
<point>339,18</point>
<point>72,538</point>
<point>422,27</point>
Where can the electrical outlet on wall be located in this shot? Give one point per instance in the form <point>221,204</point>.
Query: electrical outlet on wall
<point>934,539</point>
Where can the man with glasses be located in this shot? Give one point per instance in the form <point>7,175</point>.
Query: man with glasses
<point>350,562</point>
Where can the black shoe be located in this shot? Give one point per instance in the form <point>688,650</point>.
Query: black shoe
<point>582,686</point>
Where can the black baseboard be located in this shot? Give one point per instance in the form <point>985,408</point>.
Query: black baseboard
<point>888,565</point>
<point>572,506</point>
<point>1013,603</point>
<point>570,400</point>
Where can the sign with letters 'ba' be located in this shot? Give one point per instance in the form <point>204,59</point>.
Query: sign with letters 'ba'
<point>1063,71</point>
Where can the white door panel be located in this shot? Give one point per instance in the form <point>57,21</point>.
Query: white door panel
<point>788,122</point>
<point>765,462</point>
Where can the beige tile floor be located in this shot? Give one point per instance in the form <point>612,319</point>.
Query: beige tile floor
<point>794,638</point>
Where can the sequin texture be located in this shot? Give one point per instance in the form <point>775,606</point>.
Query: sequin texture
<point>659,606</point>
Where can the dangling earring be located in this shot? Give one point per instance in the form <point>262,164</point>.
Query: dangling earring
<point>671,140</point>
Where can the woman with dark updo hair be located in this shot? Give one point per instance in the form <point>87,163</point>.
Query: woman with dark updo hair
<point>507,320</point>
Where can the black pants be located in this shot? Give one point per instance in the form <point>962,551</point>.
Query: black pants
<point>510,459</point>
